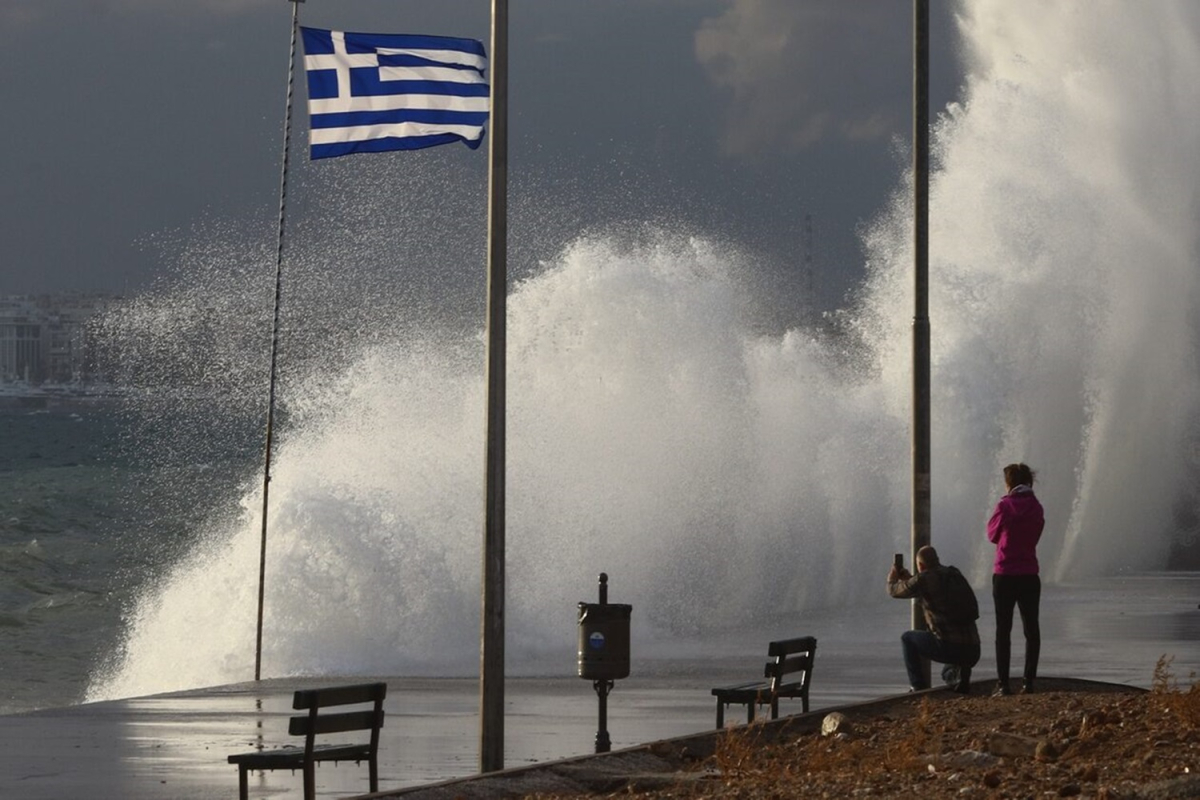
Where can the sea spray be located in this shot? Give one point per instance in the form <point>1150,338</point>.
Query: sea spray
<point>715,470</point>
<point>649,437</point>
<point>1064,263</point>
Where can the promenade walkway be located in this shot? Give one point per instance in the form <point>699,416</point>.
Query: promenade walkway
<point>174,746</point>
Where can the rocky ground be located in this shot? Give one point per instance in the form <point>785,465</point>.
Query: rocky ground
<point>1103,743</point>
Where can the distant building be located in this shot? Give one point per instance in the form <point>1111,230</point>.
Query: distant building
<point>46,338</point>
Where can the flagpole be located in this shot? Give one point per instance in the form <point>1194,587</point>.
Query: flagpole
<point>287,138</point>
<point>491,656</point>
<point>921,460</point>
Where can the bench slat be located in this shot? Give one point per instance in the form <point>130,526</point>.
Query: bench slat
<point>293,757</point>
<point>734,694</point>
<point>785,647</point>
<point>336,723</point>
<point>339,695</point>
<point>787,666</point>
<point>739,687</point>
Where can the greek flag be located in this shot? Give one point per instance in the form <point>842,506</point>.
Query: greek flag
<point>368,93</point>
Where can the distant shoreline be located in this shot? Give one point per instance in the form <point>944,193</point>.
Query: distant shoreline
<point>34,400</point>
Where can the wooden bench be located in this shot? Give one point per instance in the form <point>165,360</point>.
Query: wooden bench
<point>788,673</point>
<point>314,724</point>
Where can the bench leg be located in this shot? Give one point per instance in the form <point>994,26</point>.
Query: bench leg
<point>373,769</point>
<point>774,708</point>
<point>310,781</point>
<point>750,707</point>
<point>720,717</point>
<point>243,783</point>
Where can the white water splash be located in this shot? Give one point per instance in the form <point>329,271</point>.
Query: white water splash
<point>715,472</point>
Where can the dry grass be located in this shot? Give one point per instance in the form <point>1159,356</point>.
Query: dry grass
<point>1091,743</point>
<point>1181,703</point>
<point>748,767</point>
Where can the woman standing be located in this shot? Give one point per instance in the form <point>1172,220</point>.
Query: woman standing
<point>1015,528</point>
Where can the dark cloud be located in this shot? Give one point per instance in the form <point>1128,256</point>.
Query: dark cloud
<point>800,73</point>
<point>131,121</point>
<point>16,15</point>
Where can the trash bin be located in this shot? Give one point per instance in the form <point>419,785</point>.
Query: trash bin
<point>604,641</point>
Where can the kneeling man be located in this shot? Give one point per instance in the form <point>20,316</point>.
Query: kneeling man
<point>950,613</point>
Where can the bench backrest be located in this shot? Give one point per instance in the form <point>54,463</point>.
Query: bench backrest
<point>788,657</point>
<point>315,723</point>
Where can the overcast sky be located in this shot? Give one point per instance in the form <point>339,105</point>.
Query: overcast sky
<point>128,120</point>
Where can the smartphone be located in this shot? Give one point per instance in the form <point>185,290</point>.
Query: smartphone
<point>899,560</point>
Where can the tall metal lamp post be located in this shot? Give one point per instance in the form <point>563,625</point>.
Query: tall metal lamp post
<point>921,466</point>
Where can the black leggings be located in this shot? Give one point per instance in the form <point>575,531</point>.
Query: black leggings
<point>1024,592</point>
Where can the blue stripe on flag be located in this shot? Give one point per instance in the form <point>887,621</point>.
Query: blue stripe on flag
<point>369,93</point>
<point>429,116</point>
<point>385,144</point>
<point>366,82</point>
<point>409,60</point>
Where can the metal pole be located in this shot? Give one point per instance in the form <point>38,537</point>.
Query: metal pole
<point>287,138</point>
<point>921,489</point>
<point>603,742</point>
<point>491,684</point>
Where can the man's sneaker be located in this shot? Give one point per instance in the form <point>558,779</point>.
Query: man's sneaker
<point>950,674</point>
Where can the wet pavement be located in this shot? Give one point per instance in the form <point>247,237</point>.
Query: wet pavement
<point>175,745</point>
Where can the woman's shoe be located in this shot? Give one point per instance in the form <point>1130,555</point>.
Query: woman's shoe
<point>1002,690</point>
<point>1027,687</point>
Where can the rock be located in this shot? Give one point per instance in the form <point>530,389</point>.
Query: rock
<point>1170,789</point>
<point>1092,721</point>
<point>1069,790</point>
<point>991,779</point>
<point>969,758</point>
<point>1010,745</point>
<point>1046,751</point>
<point>1066,726</point>
<point>837,722</point>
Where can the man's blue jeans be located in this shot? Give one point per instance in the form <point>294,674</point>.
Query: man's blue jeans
<point>923,643</point>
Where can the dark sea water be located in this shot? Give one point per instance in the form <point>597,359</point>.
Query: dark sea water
<point>88,516</point>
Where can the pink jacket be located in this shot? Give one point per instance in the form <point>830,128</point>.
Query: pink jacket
<point>1015,527</point>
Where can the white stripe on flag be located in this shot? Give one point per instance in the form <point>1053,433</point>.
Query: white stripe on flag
<point>443,56</point>
<point>446,74</point>
<point>399,130</point>
<point>340,61</point>
<point>391,102</point>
